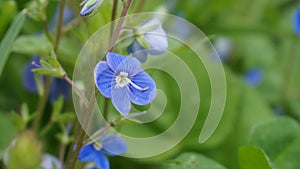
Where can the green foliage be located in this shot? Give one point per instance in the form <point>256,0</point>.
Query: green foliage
<point>253,157</point>
<point>279,138</point>
<point>192,161</point>
<point>7,42</point>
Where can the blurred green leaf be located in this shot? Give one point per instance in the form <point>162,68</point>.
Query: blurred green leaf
<point>8,40</point>
<point>8,10</point>
<point>253,157</point>
<point>31,44</point>
<point>192,161</point>
<point>279,138</point>
<point>8,132</point>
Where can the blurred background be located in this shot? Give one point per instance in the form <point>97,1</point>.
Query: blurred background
<point>255,39</point>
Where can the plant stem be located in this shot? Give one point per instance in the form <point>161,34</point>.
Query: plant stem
<point>41,105</point>
<point>100,132</point>
<point>47,33</point>
<point>71,83</point>
<point>59,24</point>
<point>119,25</point>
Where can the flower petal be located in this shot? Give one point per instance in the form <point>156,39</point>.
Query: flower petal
<point>113,145</point>
<point>101,161</point>
<point>139,97</point>
<point>114,60</point>
<point>89,6</point>
<point>28,76</point>
<point>130,65</point>
<point>297,21</point>
<point>58,87</point>
<point>120,100</point>
<point>138,51</point>
<point>87,153</point>
<point>103,76</point>
<point>158,41</point>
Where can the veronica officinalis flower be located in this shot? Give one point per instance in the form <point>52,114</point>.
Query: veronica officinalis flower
<point>122,79</point>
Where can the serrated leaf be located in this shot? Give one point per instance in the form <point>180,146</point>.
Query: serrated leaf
<point>253,157</point>
<point>8,40</point>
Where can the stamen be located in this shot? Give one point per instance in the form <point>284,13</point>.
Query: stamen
<point>138,87</point>
<point>35,64</point>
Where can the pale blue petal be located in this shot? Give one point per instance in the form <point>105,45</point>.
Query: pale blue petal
<point>87,153</point>
<point>103,76</point>
<point>138,51</point>
<point>130,65</point>
<point>101,161</point>
<point>142,80</point>
<point>113,145</point>
<point>114,60</point>
<point>120,100</point>
<point>158,41</point>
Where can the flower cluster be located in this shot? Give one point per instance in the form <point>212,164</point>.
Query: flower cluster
<point>122,79</point>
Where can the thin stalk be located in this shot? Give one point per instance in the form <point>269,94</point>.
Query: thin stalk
<point>59,25</point>
<point>41,105</point>
<point>119,25</point>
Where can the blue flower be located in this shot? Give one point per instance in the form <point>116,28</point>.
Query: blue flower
<point>254,76</point>
<point>297,21</point>
<point>112,145</point>
<point>57,87</point>
<point>89,7</point>
<point>223,47</point>
<point>122,79</point>
<point>155,37</point>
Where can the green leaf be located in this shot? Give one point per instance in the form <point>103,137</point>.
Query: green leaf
<point>30,44</point>
<point>8,132</point>
<point>253,157</point>
<point>9,38</point>
<point>192,161</point>
<point>279,138</point>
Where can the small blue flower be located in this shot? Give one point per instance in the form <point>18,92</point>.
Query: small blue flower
<point>57,87</point>
<point>297,21</point>
<point>223,47</point>
<point>254,76</point>
<point>89,7</point>
<point>112,145</point>
<point>155,37</point>
<point>122,79</point>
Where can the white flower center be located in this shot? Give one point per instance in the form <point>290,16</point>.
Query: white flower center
<point>122,80</point>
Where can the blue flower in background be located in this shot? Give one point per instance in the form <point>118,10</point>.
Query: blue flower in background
<point>254,76</point>
<point>112,145</point>
<point>57,87</point>
<point>155,37</point>
<point>297,21</point>
<point>223,46</point>
<point>89,7</point>
<point>122,79</point>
